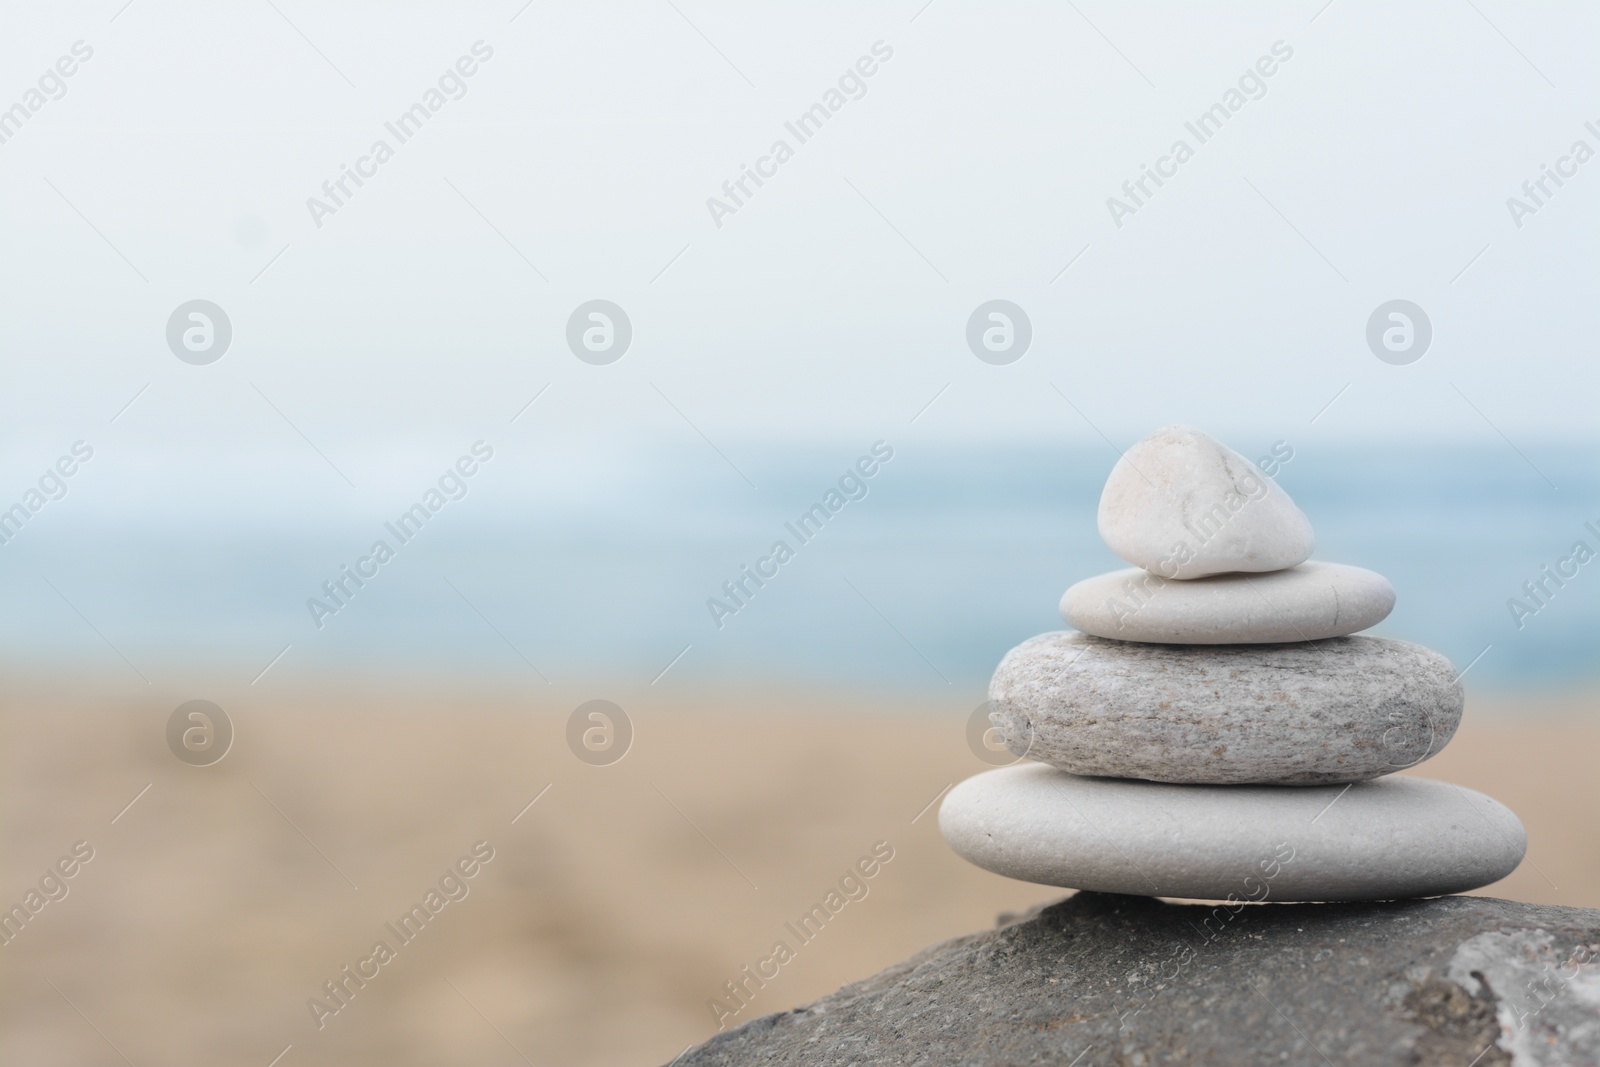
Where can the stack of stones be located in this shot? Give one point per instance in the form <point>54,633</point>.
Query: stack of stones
<point>1211,730</point>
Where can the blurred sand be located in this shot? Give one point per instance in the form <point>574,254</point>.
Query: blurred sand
<point>615,907</point>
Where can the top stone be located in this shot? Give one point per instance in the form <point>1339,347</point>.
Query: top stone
<point>1182,504</point>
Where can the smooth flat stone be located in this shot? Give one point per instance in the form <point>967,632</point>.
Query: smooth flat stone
<point>1382,840</point>
<point>1341,710</point>
<point>1182,504</point>
<point>1304,603</point>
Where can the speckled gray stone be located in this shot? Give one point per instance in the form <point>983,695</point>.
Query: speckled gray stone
<point>1183,505</point>
<point>1305,603</point>
<point>1340,710</point>
<point>1098,980</point>
<point>1381,840</point>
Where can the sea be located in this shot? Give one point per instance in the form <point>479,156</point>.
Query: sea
<point>928,571</point>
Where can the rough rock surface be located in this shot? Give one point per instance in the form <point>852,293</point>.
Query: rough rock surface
<point>1305,603</point>
<point>1182,504</point>
<point>1395,837</point>
<point>1341,710</point>
<point>1099,980</point>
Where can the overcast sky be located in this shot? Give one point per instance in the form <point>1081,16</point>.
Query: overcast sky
<point>975,163</point>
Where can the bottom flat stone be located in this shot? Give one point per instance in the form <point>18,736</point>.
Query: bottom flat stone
<point>1385,839</point>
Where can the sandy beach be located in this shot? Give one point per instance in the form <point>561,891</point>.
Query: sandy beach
<point>607,907</point>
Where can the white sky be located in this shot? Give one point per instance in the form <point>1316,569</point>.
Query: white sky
<point>834,304</point>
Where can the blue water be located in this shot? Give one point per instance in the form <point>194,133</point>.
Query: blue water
<point>953,556</point>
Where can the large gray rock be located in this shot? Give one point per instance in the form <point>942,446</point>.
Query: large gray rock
<point>1341,710</point>
<point>1099,980</point>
